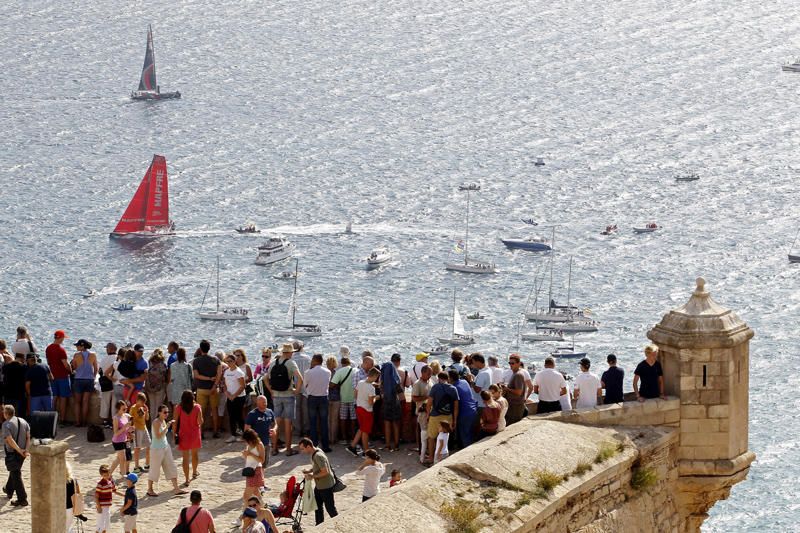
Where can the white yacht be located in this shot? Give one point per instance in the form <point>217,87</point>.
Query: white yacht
<point>554,335</point>
<point>226,313</point>
<point>274,250</point>
<point>470,267</point>
<point>459,337</point>
<point>378,256</point>
<point>794,66</point>
<point>297,330</point>
<point>583,326</point>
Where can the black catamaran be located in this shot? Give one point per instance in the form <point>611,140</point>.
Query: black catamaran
<point>148,86</point>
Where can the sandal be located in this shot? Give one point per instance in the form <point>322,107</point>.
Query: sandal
<point>151,494</point>
<point>179,492</point>
<point>196,475</point>
<point>289,453</point>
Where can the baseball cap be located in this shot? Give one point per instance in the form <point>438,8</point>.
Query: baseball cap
<point>84,343</point>
<point>250,513</point>
<point>421,355</point>
<point>60,334</point>
<point>133,478</point>
<point>138,347</point>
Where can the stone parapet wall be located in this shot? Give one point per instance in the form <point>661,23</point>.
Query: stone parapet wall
<point>655,412</point>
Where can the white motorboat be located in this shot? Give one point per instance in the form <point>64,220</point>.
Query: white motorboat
<point>587,326</point>
<point>248,227</point>
<point>286,274</point>
<point>650,227</point>
<point>297,330</point>
<point>123,307</point>
<point>90,293</point>
<point>378,256</point>
<point>470,267</point>
<point>567,352</point>
<point>225,313</point>
<point>274,250</point>
<point>469,187</point>
<point>688,177</point>
<point>439,350</point>
<point>476,316</point>
<point>539,162</point>
<point>554,335</point>
<point>459,337</point>
<point>794,66</point>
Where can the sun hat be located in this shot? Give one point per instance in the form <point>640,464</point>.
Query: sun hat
<point>287,347</point>
<point>422,356</point>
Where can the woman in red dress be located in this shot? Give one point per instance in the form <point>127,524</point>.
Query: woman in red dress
<point>189,418</point>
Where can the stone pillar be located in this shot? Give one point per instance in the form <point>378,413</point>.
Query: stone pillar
<point>704,351</point>
<point>48,487</point>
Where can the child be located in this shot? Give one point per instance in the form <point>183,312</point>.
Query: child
<point>441,442</point>
<point>103,494</point>
<point>490,415</point>
<point>397,478</point>
<point>497,396</point>
<point>129,507</point>
<point>372,469</point>
<point>365,398</point>
<point>141,438</point>
<point>283,508</point>
<point>127,369</point>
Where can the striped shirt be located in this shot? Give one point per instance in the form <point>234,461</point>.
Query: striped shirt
<point>104,492</point>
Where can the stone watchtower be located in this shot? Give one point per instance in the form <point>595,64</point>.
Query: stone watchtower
<point>704,351</point>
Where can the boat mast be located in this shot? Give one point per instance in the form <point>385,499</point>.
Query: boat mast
<point>217,284</point>
<point>552,255</point>
<point>153,48</point>
<point>294,294</point>
<point>569,281</point>
<point>795,240</point>
<point>466,240</point>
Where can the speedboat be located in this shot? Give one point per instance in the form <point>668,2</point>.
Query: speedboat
<point>274,250</point>
<point>566,352</point>
<point>688,177</point>
<point>583,326</point>
<point>249,227</point>
<point>469,187</point>
<point>791,67</point>
<point>90,293</point>
<point>123,307</point>
<point>794,258</point>
<point>230,313</point>
<point>554,335</point>
<point>531,244</point>
<point>610,230</point>
<point>650,227</point>
<point>439,350</point>
<point>378,257</point>
<point>286,274</point>
<point>539,162</point>
<point>476,316</point>
<point>529,221</point>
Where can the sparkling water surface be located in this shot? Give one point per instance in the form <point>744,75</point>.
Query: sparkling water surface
<point>302,115</point>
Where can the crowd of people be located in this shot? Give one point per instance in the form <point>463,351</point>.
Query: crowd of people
<point>148,403</point>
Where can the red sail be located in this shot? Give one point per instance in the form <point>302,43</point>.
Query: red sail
<point>157,211</point>
<point>149,207</point>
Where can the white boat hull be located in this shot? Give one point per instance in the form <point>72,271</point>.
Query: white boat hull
<point>566,327</point>
<point>297,333</point>
<point>213,315</point>
<point>472,268</point>
<point>459,341</point>
<point>644,230</point>
<point>263,260</point>
<point>141,235</point>
<point>378,261</point>
<point>533,337</point>
<point>548,317</point>
<point>794,67</point>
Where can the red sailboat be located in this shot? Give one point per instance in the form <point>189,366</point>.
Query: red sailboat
<point>148,84</point>
<point>147,215</point>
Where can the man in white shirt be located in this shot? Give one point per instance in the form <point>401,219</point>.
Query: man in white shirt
<point>303,362</point>
<point>494,368</point>
<point>481,382</point>
<point>316,381</point>
<point>549,384</point>
<point>587,387</point>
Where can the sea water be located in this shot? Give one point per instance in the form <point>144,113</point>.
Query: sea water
<point>304,115</point>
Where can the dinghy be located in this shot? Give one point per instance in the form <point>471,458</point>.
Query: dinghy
<point>794,66</point>
<point>248,227</point>
<point>148,84</point>
<point>539,162</point>
<point>476,316</point>
<point>378,256</point>
<point>439,350</point>
<point>469,187</point>
<point>610,230</point>
<point>286,274</point>
<point>123,307</point>
<point>650,227</point>
<point>227,313</point>
<point>147,215</point>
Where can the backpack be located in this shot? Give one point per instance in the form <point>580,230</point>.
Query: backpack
<point>279,376</point>
<point>183,526</point>
<point>94,433</point>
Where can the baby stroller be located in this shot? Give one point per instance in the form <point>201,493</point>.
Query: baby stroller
<point>291,511</point>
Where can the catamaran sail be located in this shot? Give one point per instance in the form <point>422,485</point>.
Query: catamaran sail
<point>148,213</point>
<point>148,84</point>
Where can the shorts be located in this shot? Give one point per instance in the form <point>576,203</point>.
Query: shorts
<point>129,522</point>
<point>207,397</point>
<point>347,411</point>
<point>83,386</point>
<point>284,407</point>
<point>433,423</point>
<point>141,438</point>
<point>392,410</point>
<point>62,388</point>
<point>118,446</point>
<point>104,519</point>
<point>364,420</point>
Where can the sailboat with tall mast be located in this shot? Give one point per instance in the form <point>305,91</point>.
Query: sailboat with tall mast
<point>537,335</point>
<point>793,258</point>
<point>459,337</point>
<point>297,330</point>
<point>148,84</point>
<point>577,321</point>
<point>226,313</point>
<point>147,215</point>
<point>471,267</point>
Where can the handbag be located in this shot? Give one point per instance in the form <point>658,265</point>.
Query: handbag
<point>248,471</point>
<point>77,501</point>
<point>338,484</point>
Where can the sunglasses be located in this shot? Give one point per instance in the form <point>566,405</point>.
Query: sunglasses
<point>253,505</point>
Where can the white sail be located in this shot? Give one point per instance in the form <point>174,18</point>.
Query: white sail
<point>290,314</point>
<point>458,325</point>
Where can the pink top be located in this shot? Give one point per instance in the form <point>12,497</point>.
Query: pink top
<point>122,422</point>
<point>201,524</point>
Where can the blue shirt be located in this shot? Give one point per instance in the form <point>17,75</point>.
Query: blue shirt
<point>444,396</point>
<point>467,406</point>
<point>39,376</point>
<point>141,368</point>
<point>261,423</point>
<point>130,495</point>
<point>172,358</point>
